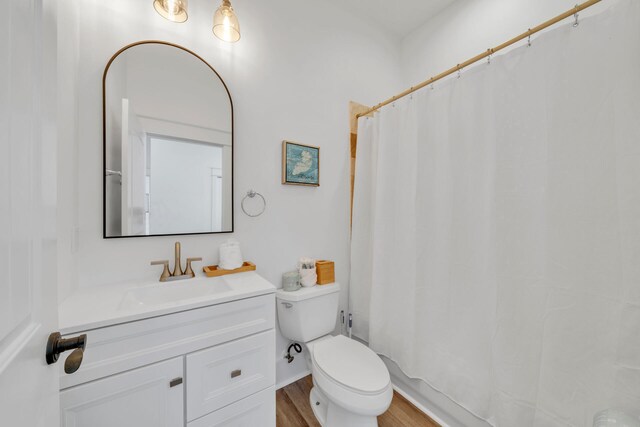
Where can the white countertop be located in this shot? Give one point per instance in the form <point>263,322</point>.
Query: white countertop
<point>107,305</point>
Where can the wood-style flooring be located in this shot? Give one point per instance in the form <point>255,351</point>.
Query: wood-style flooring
<point>293,409</point>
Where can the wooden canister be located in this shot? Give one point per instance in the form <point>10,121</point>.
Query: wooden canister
<point>325,271</point>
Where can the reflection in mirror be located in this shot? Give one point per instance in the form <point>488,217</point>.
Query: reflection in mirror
<point>168,144</point>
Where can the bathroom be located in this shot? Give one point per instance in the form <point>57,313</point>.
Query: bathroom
<point>494,285</point>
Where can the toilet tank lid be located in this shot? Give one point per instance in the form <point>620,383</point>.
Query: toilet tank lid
<point>306,293</point>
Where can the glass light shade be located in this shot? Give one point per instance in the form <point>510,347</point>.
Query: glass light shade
<point>225,23</point>
<point>172,10</point>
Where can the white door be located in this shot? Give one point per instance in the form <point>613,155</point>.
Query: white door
<point>28,287</point>
<point>152,396</point>
<point>181,185</point>
<point>134,173</point>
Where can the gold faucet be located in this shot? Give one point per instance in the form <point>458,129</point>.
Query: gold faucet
<point>177,268</point>
<point>178,273</point>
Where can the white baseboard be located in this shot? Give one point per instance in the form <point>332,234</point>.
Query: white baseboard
<point>293,379</point>
<point>418,405</point>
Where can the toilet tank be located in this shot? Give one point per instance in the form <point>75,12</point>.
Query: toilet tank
<point>308,313</point>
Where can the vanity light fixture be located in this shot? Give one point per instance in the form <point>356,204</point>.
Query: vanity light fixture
<point>172,10</point>
<point>225,23</point>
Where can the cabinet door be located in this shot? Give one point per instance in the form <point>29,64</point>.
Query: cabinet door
<point>256,410</point>
<point>151,396</point>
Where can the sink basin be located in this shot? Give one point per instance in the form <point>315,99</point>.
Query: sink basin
<point>171,293</point>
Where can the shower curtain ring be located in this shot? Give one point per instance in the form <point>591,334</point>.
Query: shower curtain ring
<point>459,72</point>
<point>575,15</point>
<point>529,38</point>
<point>489,56</point>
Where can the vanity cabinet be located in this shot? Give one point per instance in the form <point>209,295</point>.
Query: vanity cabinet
<point>205,367</point>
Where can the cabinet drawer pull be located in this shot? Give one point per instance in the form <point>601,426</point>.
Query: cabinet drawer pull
<point>174,382</point>
<point>236,373</point>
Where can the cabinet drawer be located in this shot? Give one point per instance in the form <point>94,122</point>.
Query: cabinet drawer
<point>224,374</point>
<point>141,397</point>
<point>256,410</point>
<point>119,348</point>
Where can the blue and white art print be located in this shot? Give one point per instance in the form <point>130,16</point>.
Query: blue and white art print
<point>300,164</point>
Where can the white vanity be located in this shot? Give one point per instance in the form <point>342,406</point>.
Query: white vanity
<point>196,353</point>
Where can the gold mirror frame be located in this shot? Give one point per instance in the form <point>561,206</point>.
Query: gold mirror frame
<point>104,141</point>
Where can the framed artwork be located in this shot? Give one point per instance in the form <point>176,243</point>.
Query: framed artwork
<point>300,164</point>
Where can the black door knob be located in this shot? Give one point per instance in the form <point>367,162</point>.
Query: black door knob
<point>56,345</point>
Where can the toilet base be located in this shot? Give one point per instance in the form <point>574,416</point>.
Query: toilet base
<point>319,405</point>
<point>329,414</point>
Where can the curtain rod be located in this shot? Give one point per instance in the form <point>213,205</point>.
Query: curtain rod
<point>571,12</point>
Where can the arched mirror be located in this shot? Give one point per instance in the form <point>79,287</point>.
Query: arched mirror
<point>168,144</point>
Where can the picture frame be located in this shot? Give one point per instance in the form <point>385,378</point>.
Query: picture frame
<point>300,164</point>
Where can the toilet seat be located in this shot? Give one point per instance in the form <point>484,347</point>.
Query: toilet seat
<point>351,375</point>
<point>352,365</point>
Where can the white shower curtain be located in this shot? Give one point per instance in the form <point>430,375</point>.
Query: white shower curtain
<point>496,229</point>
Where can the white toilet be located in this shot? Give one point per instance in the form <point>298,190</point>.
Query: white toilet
<point>351,384</point>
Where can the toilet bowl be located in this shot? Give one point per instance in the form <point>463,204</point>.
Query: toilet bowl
<point>351,384</point>
<point>352,379</point>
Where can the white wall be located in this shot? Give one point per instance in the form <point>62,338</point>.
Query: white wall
<point>461,31</point>
<point>469,27</point>
<point>291,76</point>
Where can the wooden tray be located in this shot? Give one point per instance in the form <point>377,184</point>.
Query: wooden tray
<point>214,271</point>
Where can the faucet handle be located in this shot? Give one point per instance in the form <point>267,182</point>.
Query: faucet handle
<point>189,270</point>
<point>165,272</point>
